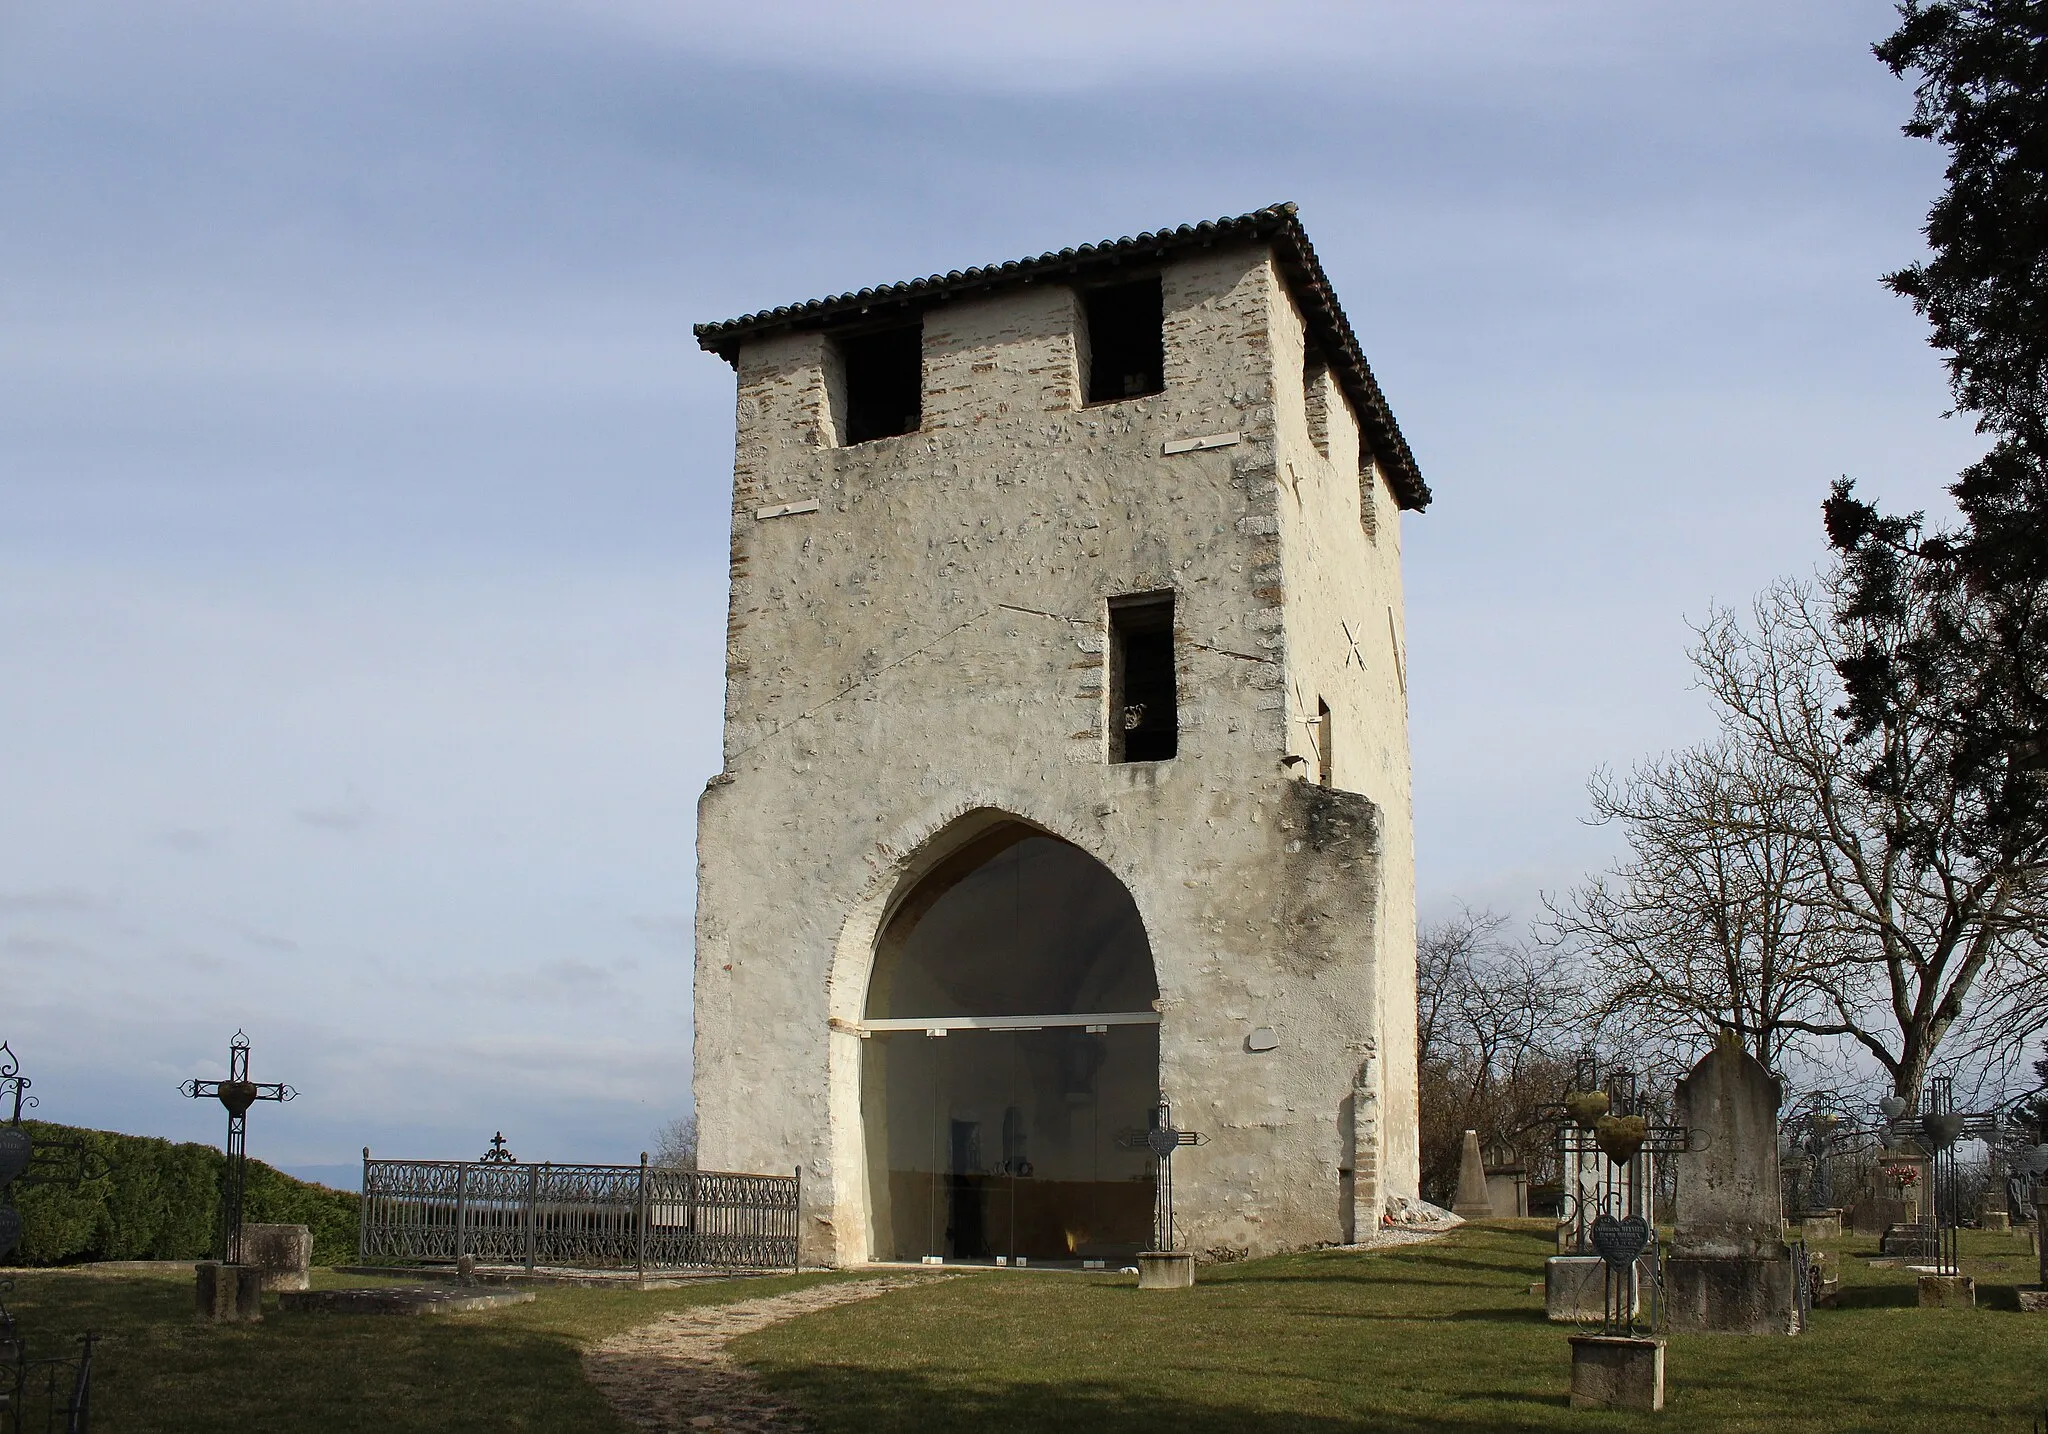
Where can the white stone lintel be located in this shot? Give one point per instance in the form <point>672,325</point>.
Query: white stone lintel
<point>1197,445</point>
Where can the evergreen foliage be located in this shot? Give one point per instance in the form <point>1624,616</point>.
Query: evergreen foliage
<point>1982,93</point>
<point>161,1201</point>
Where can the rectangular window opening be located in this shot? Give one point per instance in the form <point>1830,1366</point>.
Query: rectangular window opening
<point>1326,764</point>
<point>1144,708</point>
<point>882,383</point>
<point>1126,355</point>
<point>1315,389</point>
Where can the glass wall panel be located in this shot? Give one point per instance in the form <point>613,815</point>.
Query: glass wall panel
<point>987,1144</point>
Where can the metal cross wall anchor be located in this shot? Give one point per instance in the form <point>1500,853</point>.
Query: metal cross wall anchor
<point>237,1093</point>
<point>1162,1140</point>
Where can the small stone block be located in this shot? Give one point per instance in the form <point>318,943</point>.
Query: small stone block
<point>214,1296</point>
<point>400,1300</point>
<point>1166,1269</point>
<point>1997,1220</point>
<point>1617,1372</point>
<point>284,1254</point>
<point>1827,1226</point>
<point>1939,1292</point>
<point>226,1294</point>
<point>2034,1301</point>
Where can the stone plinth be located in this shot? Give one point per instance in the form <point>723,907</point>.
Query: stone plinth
<point>2000,1220</point>
<point>1910,1241</point>
<point>284,1253</point>
<point>1617,1372</point>
<point>1575,1289</point>
<point>228,1293</point>
<point>400,1300</point>
<point>1821,1225</point>
<point>1166,1270</point>
<point>2034,1301</point>
<point>1744,1295</point>
<point>1944,1292</point>
<point>1472,1202</point>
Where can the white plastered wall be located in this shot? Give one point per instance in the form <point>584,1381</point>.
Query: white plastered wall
<point>928,645</point>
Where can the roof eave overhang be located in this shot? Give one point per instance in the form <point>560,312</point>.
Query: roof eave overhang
<point>1278,227</point>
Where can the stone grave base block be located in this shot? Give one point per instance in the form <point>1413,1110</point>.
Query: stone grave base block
<point>1575,1289</point>
<point>400,1300</point>
<point>228,1293</point>
<point>284,1253</point>
<point>1611,1371</point>
<point>1166,1270</point>
<point>1948,1292</point>
<point>2034,1301</point>
<point>1822,1225</point>
<point>1730,1295</point>
<point>1996,1220</point>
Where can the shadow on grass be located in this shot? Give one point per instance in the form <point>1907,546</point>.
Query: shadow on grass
<point>1886,1296</point>
<point>842,1398</point>
<point>1468,1316</point>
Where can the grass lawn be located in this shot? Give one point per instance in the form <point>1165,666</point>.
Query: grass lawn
<point>159,1370</point>
<point>1433,1337</point>
<point>1443,1336</point>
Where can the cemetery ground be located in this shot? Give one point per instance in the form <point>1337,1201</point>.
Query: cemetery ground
<point>1437,1336</point>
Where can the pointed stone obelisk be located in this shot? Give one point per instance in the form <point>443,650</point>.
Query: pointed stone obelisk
<point>1472,1202</point>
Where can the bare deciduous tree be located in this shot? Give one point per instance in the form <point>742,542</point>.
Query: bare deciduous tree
<point>1716,917</point>
<point>1866,911</point>
<point>1496,1026</point>
<point>675,1144</point>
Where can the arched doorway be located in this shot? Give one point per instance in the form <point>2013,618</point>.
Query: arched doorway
<point>1011,1060</point>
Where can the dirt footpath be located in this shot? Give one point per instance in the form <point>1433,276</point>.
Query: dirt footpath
<point>674,1374</point>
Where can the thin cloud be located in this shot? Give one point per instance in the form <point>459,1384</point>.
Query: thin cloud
<point>50,898</point>
<point>346,817</point>
<point>40,947</point>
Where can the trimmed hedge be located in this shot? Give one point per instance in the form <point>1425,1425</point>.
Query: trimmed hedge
<point>160,1201</point>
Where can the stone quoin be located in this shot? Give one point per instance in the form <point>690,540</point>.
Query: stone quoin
<point>1066,760</point>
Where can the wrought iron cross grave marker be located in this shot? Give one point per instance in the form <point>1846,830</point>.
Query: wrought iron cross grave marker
<point>1162,1140</point>
<point>237,1093</point>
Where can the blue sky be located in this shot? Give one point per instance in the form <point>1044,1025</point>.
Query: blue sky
<point>362,493</point>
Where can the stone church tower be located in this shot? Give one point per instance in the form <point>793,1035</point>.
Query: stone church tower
<point>1066,760</point>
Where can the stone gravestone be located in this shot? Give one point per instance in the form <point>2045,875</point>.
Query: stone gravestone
<point>2039,1303</point>
<point>1995,1213</point>
<point>1730,1270</point>
<point>284,1253</point>
<point>1905,1210</point>
<point>1472,1202</point>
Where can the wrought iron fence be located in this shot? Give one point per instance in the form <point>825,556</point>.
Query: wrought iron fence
<point>589,1216</point>
<point>50,1395</point>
